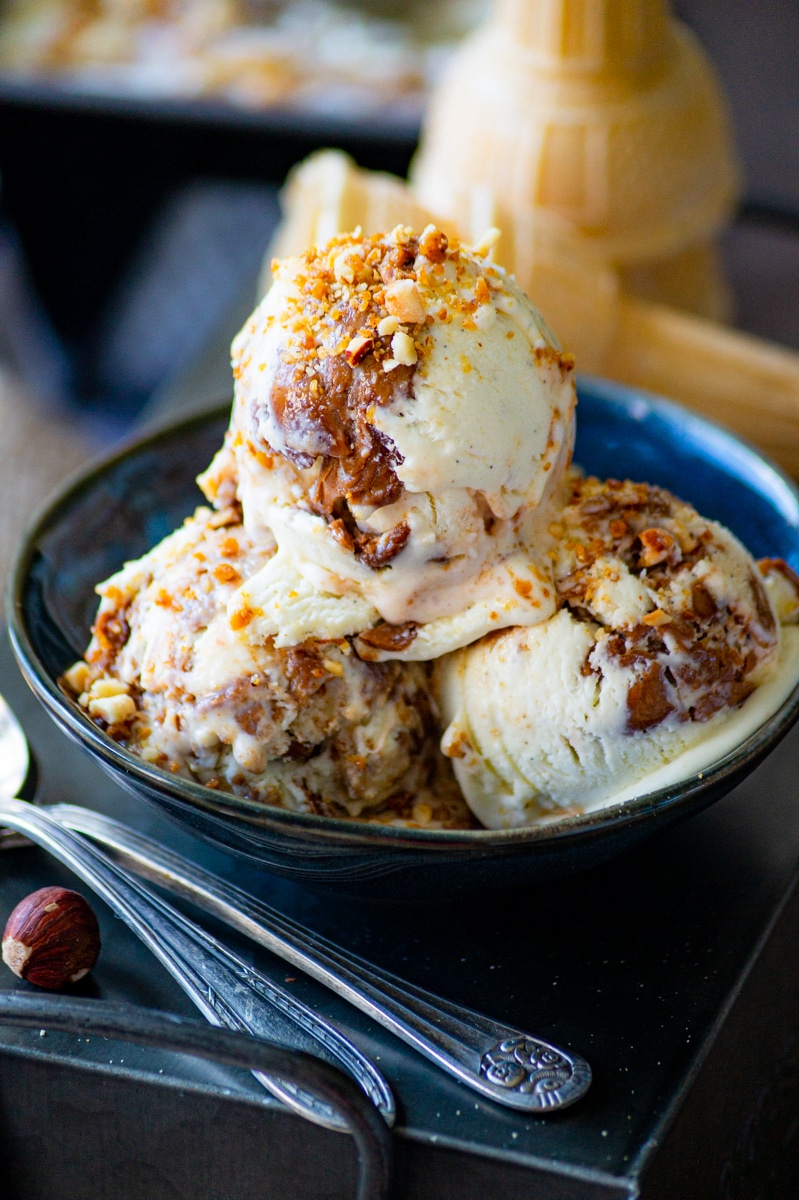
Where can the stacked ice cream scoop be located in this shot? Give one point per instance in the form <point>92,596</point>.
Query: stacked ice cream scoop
<point>400,561</point>
<point>402,426</point>
<point>665,631</point>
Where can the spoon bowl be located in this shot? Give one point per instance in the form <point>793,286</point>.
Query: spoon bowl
<point>15,760</point>
<point>17,771</point>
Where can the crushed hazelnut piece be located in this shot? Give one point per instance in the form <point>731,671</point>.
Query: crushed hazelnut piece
<point>79,677</point>
<point>115,710</point>
<point>226,573</point>
<point>358,348</point>
<point>404,301</point>
<point>403,349</point>
<point>102,688</point>
<point>433,244</point>
<point>242,618</point>
<point>481,292</point>
<point>388,326</point>
<point>657,545</point>
<point>655,619</point>
<point>349,267</point>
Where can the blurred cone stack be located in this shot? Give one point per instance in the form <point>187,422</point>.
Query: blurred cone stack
<point>327,194</point>
<point>598,121</point>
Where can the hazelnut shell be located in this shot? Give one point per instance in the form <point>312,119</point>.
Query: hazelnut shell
<point>52,938</point>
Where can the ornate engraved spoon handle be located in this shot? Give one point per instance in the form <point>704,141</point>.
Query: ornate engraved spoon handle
<point>226,989</point>
<point>508,1065</point>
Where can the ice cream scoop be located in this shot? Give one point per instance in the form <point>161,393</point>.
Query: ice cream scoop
<point>664,633</point>
<point>309,728</point>
<point>402,423</point>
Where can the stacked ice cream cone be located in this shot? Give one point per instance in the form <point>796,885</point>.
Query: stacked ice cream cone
<point>601,118</point>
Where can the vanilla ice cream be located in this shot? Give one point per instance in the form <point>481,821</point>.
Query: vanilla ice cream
<point>665,632</point>
<point>402,424</point>
<point>399,550</point>
<point>310,728</point>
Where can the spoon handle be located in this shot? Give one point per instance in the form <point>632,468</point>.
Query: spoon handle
<point>226,989</point>
<point>505,1064</point>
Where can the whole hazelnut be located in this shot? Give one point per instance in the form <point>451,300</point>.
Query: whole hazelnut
<point>51,938</point>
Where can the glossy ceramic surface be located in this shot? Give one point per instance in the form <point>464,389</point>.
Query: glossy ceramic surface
<point>120,508</point>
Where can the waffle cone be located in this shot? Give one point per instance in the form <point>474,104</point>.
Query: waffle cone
<point>602,114</point>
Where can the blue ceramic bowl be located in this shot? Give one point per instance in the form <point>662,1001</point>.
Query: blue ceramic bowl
<point>123,506</point>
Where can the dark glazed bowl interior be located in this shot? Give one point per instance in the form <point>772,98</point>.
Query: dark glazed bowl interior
<point>120,508</point>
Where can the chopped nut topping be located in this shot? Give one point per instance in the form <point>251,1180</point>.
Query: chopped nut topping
<point>657,546</point>
<point>105,688</point>
<point>481,292</point>
<point>349,267</point>
<point>226,573</point>
<point>433,244</point>
<point>656,619</point>
<point>388,326</point>
<point>242,618</point>
<point>79,678</point>
<point>404,301</point>
<point>358,348</point>
<point>403,349</point>
<point>114,709</point>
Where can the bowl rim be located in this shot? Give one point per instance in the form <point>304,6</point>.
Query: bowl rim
<point>345,830</point>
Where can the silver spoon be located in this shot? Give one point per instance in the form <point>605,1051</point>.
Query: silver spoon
<point>503,1063</point>
<point>227,990</point>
